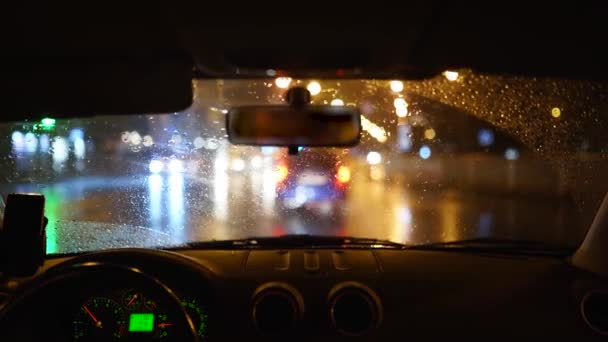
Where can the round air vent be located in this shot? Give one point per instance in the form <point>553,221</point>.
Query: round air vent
<point>594,308</point>
<point>276,308</point>
<point>354,308</point>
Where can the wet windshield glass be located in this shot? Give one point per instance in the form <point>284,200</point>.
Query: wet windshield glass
<point>456,157</point>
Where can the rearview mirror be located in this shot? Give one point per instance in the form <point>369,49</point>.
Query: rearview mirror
<point>294,125</point>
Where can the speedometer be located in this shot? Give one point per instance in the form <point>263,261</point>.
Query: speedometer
<point>99,319</point>
<point>197,314</point>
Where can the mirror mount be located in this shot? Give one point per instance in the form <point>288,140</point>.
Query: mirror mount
<point>298,96</point>
<point>292,150</point>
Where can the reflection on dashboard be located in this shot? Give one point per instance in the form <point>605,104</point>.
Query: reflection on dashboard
<point>130,316</point>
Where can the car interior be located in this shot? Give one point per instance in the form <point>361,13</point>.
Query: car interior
<point>79,62</point>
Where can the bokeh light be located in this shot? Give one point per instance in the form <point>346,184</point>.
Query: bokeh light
<point>511,154</point>
<point>374,158</point>
<point>238,165</point>
<point>399,102</point>
<point>148,141</point>
<point>175,166</point>
<point>156,166</point>
<point>424,152</point>
<point>282,82</point>
<point>280,173</point>
<point>337,102</point>
<point>396,86</point>
<point>401,111</point>
<point>256,162</point>
<point>485,137</point>
<point>135,138</point>
<point>314,88</point>
<point>198,142</point>
<point>450,75</point>
<point>343,174</point>
<point>556,112</point>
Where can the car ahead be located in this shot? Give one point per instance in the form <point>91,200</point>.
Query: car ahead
<point>312,179</point>
<point>473,137</point>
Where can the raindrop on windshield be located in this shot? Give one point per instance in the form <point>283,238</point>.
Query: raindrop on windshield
<point>125,137</point>
<point>212,144</point>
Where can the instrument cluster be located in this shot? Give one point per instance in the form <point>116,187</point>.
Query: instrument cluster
<point>131,315</point>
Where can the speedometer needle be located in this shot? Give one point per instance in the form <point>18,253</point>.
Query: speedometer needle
<point>97,322</point>
<point>132,299</point>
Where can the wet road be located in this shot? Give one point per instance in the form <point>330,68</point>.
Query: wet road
<point>170,208</point>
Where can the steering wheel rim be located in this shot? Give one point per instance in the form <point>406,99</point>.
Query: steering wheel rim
<point>59,279</point>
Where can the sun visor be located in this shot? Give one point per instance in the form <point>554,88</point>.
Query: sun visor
<point>80,86</point>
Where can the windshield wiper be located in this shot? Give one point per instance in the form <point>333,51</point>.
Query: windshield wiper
<point>296,241</point>
<point>479,245</point>
<point>495,245</point>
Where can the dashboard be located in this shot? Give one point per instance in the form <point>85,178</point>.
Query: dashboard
<point>300,294</point>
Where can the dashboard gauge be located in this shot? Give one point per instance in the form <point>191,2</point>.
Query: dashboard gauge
<point>163,326</point>
<point>149,304</point>
<point>197,314</point>
<point>99,319</point>
<point>132,300</point>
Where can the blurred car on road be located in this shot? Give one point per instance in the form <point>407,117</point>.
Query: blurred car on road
<point>313,178</point>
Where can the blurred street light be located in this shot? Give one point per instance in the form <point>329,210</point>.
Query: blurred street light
<point>374,158</point>
<point>450,75</point>
<point>282,82</point>
<point>314,88</point>
<point>399,102</point>
<point>396,86</point>
<point>401,111</point>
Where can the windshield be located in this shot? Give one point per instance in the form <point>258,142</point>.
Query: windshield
<point>456,157</point>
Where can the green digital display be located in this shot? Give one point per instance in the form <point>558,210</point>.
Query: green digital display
<point>141,322</point>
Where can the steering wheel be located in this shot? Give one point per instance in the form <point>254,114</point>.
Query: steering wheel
<point>39,312</point>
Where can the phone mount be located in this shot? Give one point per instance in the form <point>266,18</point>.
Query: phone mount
<point>23,236</point>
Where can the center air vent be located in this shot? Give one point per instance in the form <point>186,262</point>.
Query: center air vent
<point>276,308</point>
<point>594,308</point>
<point>354,309</point>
